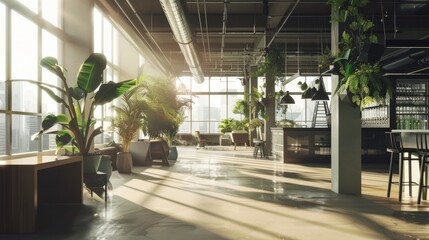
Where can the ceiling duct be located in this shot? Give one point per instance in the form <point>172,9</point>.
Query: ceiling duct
<point>176,18</point>
<point>403,60</point>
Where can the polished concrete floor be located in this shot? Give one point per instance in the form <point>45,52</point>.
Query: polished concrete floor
<point>215,194</point>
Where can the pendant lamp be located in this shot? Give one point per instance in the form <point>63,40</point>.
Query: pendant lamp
<point>320,94</point>
<point>287,99</point>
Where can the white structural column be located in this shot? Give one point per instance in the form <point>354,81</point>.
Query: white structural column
<point>345,137</point>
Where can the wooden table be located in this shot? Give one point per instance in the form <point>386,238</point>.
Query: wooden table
<point>26,183</point>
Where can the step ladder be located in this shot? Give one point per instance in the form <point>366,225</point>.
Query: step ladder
<point>321,111</point>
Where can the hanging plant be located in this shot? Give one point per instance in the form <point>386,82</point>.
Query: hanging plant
<point>273,65</point>
<point>360,73</point>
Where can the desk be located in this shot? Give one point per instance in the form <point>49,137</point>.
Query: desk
<point>26,183</point>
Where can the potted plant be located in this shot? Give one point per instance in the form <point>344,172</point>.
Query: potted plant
<point>165,111</point>
<point>127,122</point>
<point>360,76</point>
<point>225,125</point>
<point>256,124</point>
<point>171,132</point>
<point>79,102</point>
<point>176,119</point>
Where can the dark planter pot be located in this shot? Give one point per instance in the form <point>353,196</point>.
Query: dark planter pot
<point>173,154</point>
<point>91,163</point>
<point>106,165</point>
<point>124,162</point>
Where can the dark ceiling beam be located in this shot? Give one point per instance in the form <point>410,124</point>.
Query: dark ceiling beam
<point>407,43</point>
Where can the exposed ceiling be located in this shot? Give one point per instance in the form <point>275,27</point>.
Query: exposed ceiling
<point>230,35</point>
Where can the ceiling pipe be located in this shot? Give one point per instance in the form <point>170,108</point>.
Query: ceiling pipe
<point>176,18</point>
<point>224,19</point>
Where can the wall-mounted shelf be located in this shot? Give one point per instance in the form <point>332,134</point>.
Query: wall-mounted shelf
<point>412,103</point>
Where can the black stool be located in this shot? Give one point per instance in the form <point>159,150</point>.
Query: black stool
<point>395,147</point>
<point>259,146</point>
<point>96,181</point>
<point>423,151</point>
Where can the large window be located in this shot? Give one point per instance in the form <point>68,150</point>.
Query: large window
<point>2,63</point>
<point>302,111</point>
<point>24,56</point>
<point>2,79</point>
<point>23,105</point>
<point>212,101</point>
<point>123,62</point>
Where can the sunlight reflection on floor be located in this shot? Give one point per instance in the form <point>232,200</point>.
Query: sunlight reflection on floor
<point>245,198</point>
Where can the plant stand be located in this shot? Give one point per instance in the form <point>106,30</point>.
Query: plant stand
<point>96,181</point>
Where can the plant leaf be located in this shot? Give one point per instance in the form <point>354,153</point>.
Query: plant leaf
<point>91,72</point>
<point>111,90</point>
<point>35,136</point>
<point>39,84</point>
<point>50,120</point>
<point>63,137</point>
<point>51,64</point>
<point>54,96</point>
<point>94,133</point>
<point>76,93</point>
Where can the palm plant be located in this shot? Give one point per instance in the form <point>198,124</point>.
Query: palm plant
<point>129,115</point>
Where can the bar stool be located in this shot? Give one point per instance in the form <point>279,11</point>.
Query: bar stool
<point>423,151</point>
<point>259,146</point>
<point>259,143</point>
<point>395,147</point>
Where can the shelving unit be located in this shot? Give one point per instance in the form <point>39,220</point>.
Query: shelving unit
<point>377,116</point>
<point>412,104</point>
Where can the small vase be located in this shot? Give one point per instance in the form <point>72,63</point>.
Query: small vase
<point>173,154</point>
<point>124,162</point>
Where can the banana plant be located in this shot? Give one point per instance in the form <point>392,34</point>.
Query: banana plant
<point>79,101</point>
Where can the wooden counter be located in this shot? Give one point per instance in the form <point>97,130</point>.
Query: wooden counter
<point>26,183</point>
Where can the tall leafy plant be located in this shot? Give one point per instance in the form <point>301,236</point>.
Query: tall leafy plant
<point>165,111</point>
<point>79,101</point>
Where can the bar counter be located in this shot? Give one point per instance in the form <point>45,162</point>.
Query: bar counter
<point>409,136</point>
<point>313,145</point>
